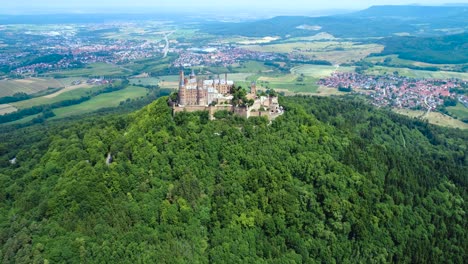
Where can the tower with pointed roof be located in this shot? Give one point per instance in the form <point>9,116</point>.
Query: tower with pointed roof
<point>253,88</point>
<point>182,97</point>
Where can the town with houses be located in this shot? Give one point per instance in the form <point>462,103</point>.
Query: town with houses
<point>77,50</point>
<point>72,50</point>
<point>220,56</point>
<point>399,91</point>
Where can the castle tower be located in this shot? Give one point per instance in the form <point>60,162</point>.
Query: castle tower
<point>182,98</point>
<point>200,93</point>
<point>253,88</point>
<point>192,75</point>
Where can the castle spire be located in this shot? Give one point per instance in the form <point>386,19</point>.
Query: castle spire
<point>182,99</point>
<point>192,75</point>
<point>181,78</point>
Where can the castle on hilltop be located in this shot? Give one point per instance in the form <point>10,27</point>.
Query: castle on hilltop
<point>198,94</point>
<point>195,91</point>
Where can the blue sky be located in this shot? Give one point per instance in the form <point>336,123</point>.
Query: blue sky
<point>260,8</point>
<point>289,4</point>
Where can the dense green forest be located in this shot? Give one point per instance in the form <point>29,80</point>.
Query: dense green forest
<point>446,49</point>
<point>330,181</point>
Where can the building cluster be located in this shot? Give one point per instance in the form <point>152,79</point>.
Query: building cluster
<point>220,56</point>
<point>396,91</point>
<point>78,50</point>
<point>196,91</point>
<point>198,94</point>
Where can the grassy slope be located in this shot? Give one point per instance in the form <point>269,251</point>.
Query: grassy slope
<point>29,85</point>
<point>459,111</point>
<point>74,94</point>
<point>379,70</point>
<point>101,101</point>
<point>96,69</point>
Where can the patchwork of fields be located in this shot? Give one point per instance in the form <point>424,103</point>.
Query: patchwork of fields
<point>95,69</point>
<point>332,51</point>
<point>31,85</point>
<point>101,101</point>
<point>319,71</point>
<point>380,70</point>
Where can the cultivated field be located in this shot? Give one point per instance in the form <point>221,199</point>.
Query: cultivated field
<point>395,61</point>
<point>333,51</point>
<point>379,70</point>
<point>319,36</point>
<point>319,71</point>
<point>6,108</point>
<point>290,82</point>
<point>101,101</point>
<point>69,95</point>
<point>68,89</point>
<point>145,81</point>
<point>435,118</point>
<point>29,85</point>
<point>459,111</point>
<point>327,91</point>
<point>95,69</point>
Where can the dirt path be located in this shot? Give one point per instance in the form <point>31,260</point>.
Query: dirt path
<point>67,89</point>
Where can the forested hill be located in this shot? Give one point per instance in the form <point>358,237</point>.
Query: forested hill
<point>446,49</point>
<point>376,21</point>
<point>330,181</point>
<point>413,11</point>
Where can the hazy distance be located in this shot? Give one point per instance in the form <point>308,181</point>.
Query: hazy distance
<point>224,7</point>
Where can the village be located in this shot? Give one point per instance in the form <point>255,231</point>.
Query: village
<point>71,51</point>
<point>220,56</point>
<point>398,91</point>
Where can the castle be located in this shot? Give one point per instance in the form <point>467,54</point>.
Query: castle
<point>197,94</point>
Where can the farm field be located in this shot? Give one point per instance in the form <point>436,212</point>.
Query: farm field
<point>319,71</point>
<point>318,36</point>
<point>290,82</point>
<point>395,61</point>
<point>434,118</point>
<point>333,51</point>
<point>31,85</point>
<point>151,64</point>
<point>242,67</point>
<point>380,70</point>
<point>6,108</point>
<point>73,94</point>
<point>95,69</point>
<point>101,101</point>
<point>67,89</point>
<point>327,91</point>
<point>459,111</point>
<point>145,81</point>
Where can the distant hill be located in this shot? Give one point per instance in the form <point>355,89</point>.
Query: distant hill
<point>410,11</point>
<point>377,21</point>
<point>446,49</point>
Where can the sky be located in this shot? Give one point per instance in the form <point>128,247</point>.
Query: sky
<point>19,6</point>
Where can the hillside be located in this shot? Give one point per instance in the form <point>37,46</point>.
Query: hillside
<point>377,21</point>
<point>446,49</point>
<point>330,181</point>
<point>413,11</point>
